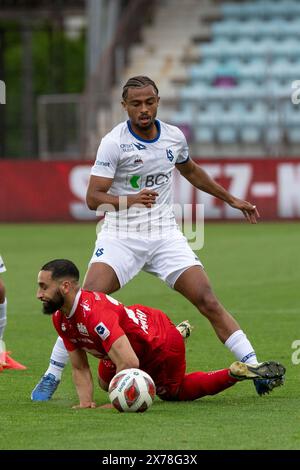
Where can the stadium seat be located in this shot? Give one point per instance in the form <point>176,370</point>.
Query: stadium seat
<point>204,134</point>
<point>248,66</point>
<point>226,135</point>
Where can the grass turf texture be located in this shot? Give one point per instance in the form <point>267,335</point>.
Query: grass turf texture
<point>254,271</point>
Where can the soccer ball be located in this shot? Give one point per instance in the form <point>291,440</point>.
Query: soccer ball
<point>132,390</point>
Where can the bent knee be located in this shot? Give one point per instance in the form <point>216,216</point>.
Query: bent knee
<point>208,303</point>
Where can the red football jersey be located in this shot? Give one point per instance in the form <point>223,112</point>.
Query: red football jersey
<point>97,321</point>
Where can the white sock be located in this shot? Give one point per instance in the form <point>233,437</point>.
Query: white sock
<point>58,360</point>
<point>3,318</point>
<point>241,347</point>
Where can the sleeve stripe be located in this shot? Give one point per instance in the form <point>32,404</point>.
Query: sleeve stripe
<point>186,160</point>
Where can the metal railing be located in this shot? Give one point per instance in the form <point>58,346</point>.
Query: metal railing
<point>98,95</point>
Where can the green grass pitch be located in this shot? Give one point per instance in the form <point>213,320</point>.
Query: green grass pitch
<point>255,271</point>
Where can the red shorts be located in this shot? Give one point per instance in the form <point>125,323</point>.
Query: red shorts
<point>166,367</point>
<point>106,370</point>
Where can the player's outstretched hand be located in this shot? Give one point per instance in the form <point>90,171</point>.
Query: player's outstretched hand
<point>106,406</point>
<point>84,405</point>
<point>145,197</point>
<point>249,210</point>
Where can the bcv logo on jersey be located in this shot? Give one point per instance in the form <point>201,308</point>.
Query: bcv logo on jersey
<point>148,181</point>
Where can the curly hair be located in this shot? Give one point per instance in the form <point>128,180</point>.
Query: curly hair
<point>139,81</point>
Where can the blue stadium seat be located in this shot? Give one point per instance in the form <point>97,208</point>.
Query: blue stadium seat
<point>250,63</point>
<point>204,134</point>
<point>226,135</point>
<point>261,9</point>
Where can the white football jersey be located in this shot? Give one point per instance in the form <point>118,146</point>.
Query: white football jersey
<point>2,265</point>
<point>136,164</point>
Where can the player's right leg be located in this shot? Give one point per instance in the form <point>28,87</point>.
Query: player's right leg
<point>264,370</point>
<point>49,382</point>
<point>200,384</point>
<point>3,304</point>
<point>3,314</point>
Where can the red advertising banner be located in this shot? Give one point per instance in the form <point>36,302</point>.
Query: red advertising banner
<point>32,191</point>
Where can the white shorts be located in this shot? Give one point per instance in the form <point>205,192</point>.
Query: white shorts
<point>166,258</point>
<point>2,265</point>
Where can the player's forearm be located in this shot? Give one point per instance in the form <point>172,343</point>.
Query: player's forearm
<point>96,200</point>
<point>201,180</point>
<point>107,202</point>
<point>84,385</point>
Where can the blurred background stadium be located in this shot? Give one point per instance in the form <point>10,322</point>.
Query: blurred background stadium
<point>227,73</point>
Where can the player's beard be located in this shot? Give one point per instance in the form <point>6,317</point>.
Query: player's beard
<point>51,306</point>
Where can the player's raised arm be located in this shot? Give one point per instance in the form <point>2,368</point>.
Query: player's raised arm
<point>201,180</point>
<point>82,378</point>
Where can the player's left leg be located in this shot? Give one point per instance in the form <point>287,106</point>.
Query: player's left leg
<point>172,383</point>
<point>224,324</point>
<point>3,321</point>
<point>6,362</point>
<point>200,384</point>
<point>194,284</point>
<point>3,309</point>
<point>3,301</point>
<point>174,262</point>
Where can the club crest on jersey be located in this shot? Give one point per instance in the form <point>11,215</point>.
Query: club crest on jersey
<point>137,161</point>
<point>85,306</point>
<point>63,327</point>
<point>82,329</point>
<point>102,331</point>
<point>170,155</point>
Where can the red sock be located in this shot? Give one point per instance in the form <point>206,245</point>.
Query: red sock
<point>199,384</point>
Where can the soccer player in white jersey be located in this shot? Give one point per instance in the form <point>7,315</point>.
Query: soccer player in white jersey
<point>134,166</point>
<point>6,362</point>
<point>3,310</point>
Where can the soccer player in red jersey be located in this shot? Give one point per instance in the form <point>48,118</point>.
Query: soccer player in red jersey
<point>123,337</point>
